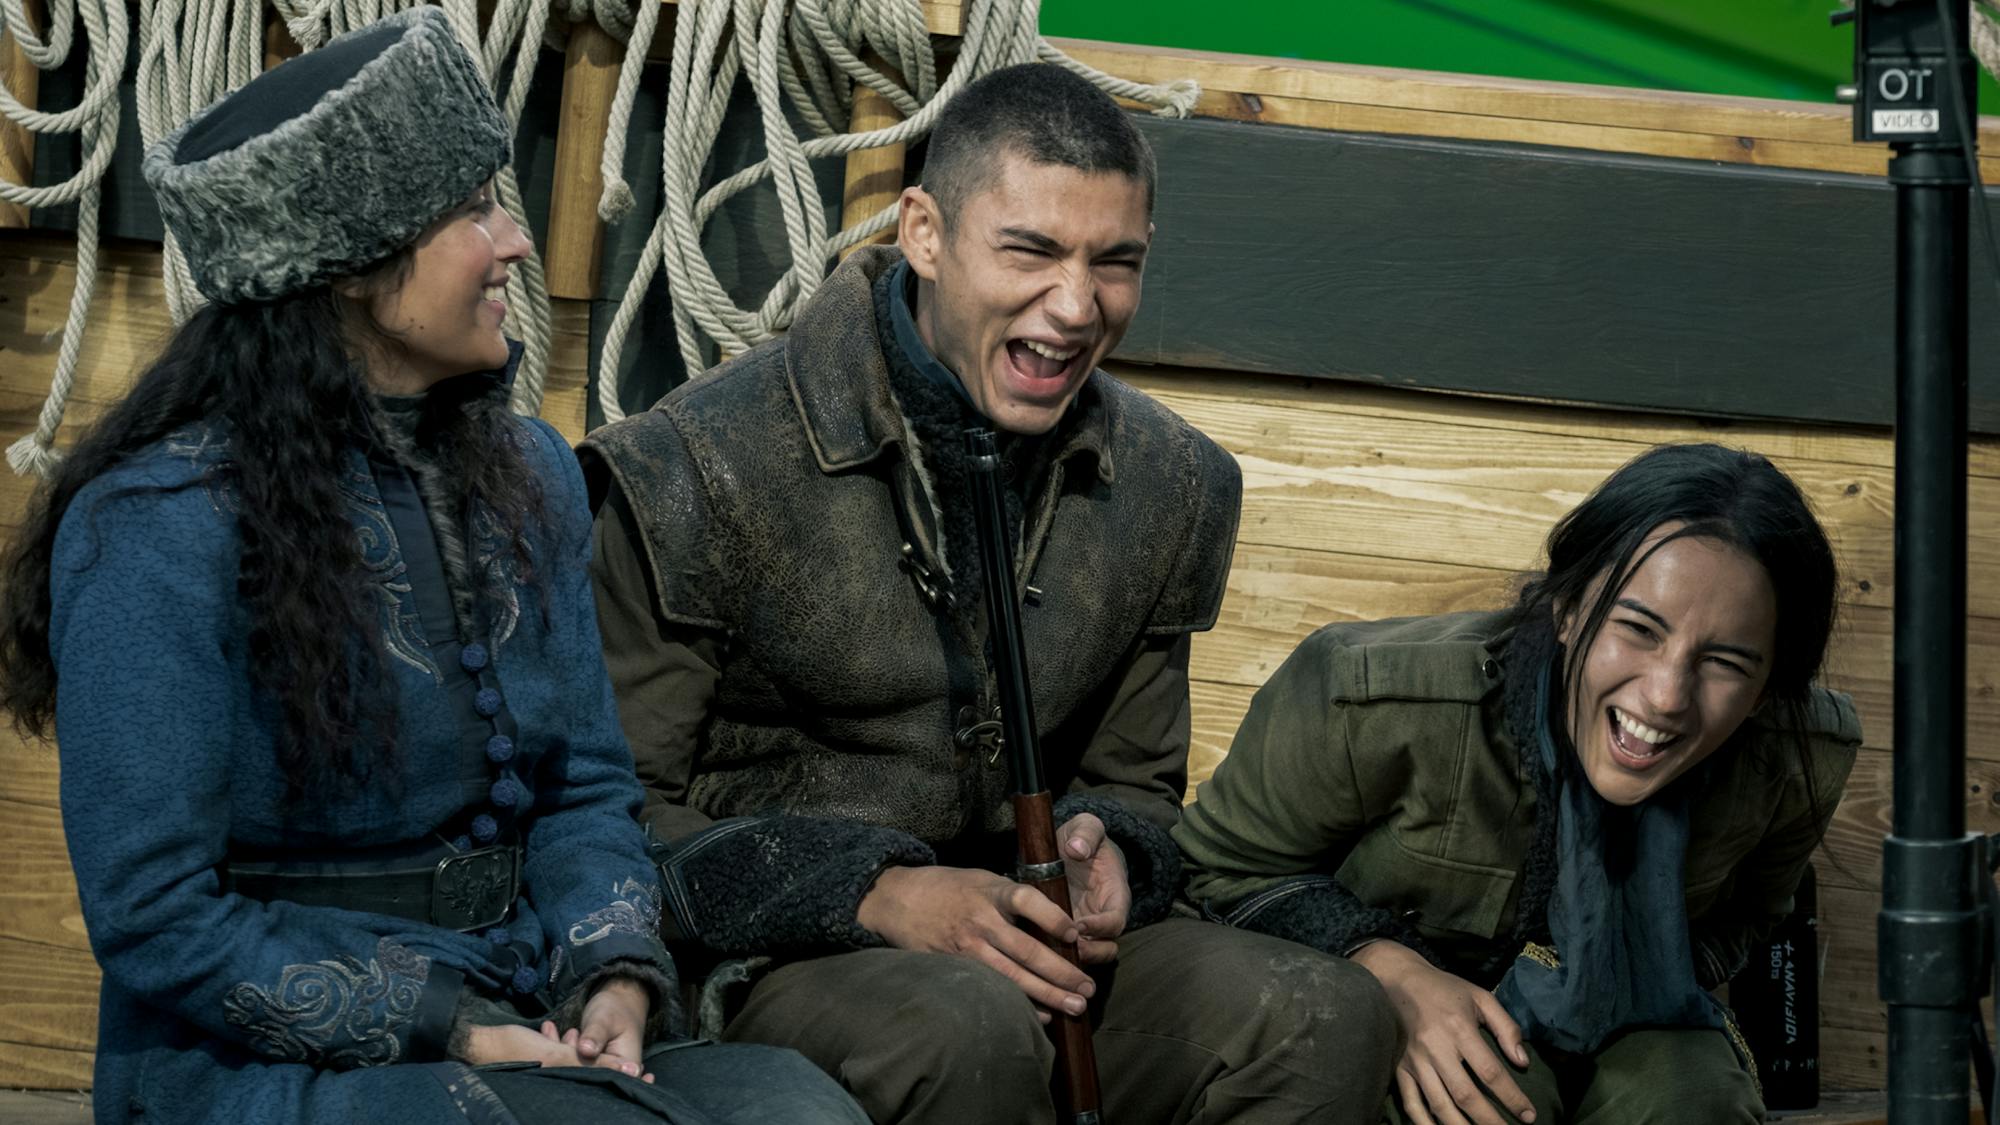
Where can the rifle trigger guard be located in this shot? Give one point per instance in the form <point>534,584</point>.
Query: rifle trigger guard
<point>1037,872</point>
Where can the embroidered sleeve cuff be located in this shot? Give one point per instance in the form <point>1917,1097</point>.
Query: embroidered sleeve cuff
<point>625,929</point>
<point>664,1014</point>
<point>1318,911</point>
<point>779,884</point>
<point>1152,861</point>
<point>589,964</point>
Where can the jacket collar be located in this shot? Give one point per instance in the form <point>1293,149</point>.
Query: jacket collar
<point>840,380</point>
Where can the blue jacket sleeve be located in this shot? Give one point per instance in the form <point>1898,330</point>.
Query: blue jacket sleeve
<point>587,869</point>
<point>154,714</point>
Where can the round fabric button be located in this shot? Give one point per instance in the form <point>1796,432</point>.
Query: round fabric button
<point>472,657</point>
<point>506,793</point>
<point>461,843</point>
<point>485,828</point>
<point>498,935</point>
<point>526,979</point>
<point>499,748</point>
<point>486,701</point>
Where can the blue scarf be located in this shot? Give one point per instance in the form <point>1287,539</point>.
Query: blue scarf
<point>1618,915</point>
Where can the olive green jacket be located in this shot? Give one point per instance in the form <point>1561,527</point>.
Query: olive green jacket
<point>1378,761</point>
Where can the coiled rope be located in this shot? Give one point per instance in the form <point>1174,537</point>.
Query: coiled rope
<point>805,56</point>
<point>95,118</point>
<point>191,53</point>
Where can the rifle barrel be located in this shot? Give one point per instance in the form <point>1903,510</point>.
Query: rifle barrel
<point>1040,864</point>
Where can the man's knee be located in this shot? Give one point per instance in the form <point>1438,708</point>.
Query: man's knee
<point>952,1010</point>
<point>749,1084</point>
<point>1292,1010</point>
<point>1681,1077</point>
<point>1728,1098</point>
<point>913,1036</point>
<point>1332,1011</point>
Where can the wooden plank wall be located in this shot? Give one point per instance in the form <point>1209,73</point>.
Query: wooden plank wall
<point>1359,502</point>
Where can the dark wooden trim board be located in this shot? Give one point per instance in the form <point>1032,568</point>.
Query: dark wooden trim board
<point>1623,281</point>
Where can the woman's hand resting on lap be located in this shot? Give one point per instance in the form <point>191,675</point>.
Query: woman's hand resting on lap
<point>611,1034</point>
<point>504,1043</point>
<point>1443,1051</point>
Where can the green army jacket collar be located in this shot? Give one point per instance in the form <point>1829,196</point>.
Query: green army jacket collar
<point>839,378</point>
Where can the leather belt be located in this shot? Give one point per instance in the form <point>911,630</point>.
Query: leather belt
<point>469,890</point>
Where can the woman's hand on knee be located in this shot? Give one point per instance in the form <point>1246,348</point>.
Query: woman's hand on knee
<point>1444,1052</point>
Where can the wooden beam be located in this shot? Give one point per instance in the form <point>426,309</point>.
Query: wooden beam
<point>278,42</point>
<point>575,239</point>
<point>1851,855</point>
<point>28,770</point>
<point>48,997</point>
<point>566,389</point>
<point>37,890</point>
<point>1423,490</point>
<point>1301,398</point>
<point>874,175</point>
<point>17,145</point>
<point>34,1067</point>
<point>1368,99</point>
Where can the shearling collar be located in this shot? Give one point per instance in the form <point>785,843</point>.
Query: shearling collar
<point>840,379</point>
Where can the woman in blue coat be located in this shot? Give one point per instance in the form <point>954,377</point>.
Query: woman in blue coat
<point>348,804</point>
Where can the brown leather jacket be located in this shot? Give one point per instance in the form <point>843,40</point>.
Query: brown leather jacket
<point>788,643</point>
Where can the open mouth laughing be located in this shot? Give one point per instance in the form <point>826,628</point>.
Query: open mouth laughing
<point>1636,745</point>
<point>1044,368</point>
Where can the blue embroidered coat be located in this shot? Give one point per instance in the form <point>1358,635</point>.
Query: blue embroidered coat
<point>219,1007</point>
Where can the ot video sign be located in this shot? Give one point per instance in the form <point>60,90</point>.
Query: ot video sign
<point>1903,81</point>
<point>1901,100</point>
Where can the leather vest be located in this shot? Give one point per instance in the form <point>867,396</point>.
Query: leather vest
<point>782,506</point>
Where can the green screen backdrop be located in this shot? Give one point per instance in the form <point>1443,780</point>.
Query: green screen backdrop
<point>1760,48</point>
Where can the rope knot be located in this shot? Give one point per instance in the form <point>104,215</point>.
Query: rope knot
<point>1180,97</point>
<point>33,455</point>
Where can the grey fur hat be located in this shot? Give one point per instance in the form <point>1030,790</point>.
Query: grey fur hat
<point>329,162</point>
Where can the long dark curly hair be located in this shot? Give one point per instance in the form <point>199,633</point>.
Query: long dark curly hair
<point>283,383</point>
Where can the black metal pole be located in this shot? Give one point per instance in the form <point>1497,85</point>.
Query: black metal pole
<point>1930,973</point>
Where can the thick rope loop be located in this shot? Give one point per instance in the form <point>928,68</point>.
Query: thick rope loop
<point>95,119</point>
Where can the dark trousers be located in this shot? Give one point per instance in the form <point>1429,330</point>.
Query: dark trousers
<point>1660,1077</point>
<point>1195,1023</point>
<point>695,1083</point>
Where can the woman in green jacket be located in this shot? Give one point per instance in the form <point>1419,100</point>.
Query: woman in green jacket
<point>1548,831</point>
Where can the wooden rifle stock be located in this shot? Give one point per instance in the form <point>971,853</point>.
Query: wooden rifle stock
<point>1040,864</point>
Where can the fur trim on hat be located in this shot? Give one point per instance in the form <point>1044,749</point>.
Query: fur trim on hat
<point>343,185</point>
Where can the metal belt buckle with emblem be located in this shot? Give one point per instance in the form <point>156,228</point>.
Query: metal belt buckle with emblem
<point>473,890</point>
